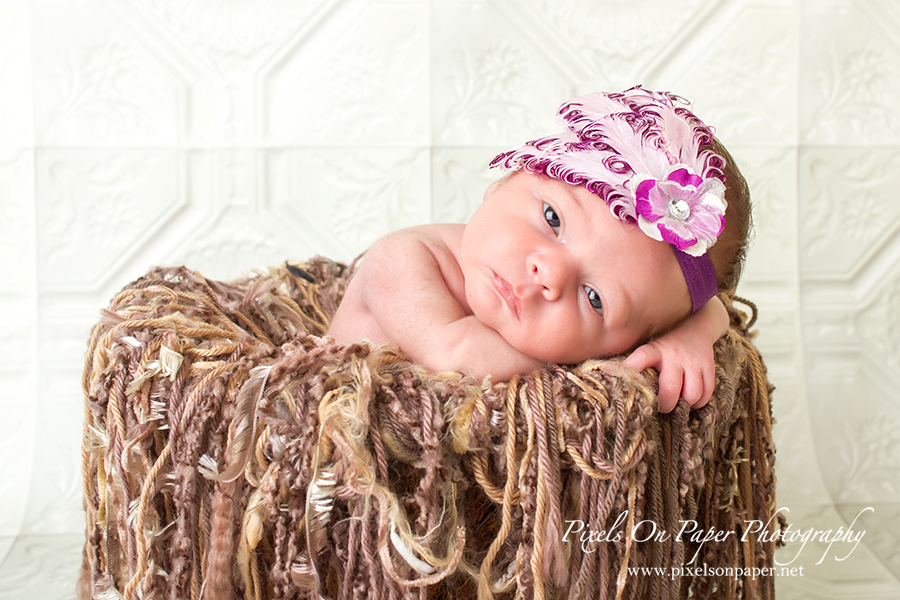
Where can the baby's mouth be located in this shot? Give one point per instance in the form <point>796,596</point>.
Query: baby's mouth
<point>503,289</point>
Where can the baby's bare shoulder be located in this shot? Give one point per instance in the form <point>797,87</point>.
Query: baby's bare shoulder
<point>416,263</point>
<point>402,274</point>
<point>438,238</point>
<point>417,251</point>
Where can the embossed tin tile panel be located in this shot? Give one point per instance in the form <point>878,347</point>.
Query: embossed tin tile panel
<point>339,201</point>
<point>881,522</point>
<point>98,209</point>
<point>849,217</point>
<point>16,99</point>
<point>771,264</point>
<point>739,66</point>
<point>859,575</point>
<point>56,488</point>
<point>100,81</point>
<point>612,43</point>
<point>850,214</point>
<point>495,80</point>
<point>360,78</point>
<point>459,179</point>
<point>231,136</point>
<point>44,567</point>
<point>18,334</point>
<point>17,226</point>
<point>849,83</point>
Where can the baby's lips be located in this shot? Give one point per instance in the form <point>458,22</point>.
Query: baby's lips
<point>504,290</point>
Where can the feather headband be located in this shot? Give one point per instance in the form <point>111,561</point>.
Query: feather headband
<point>648,157</point>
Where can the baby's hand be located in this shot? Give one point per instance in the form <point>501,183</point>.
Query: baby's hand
<point>684,357</point>
<point>686,370</point>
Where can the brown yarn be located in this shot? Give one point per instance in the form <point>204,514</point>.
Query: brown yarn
<point>232,452</point>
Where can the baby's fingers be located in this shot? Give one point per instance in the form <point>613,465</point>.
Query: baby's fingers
<point>644,357</point>
<point>670,385</point>
<point>709,386</point>
<point>694,389</point>
<point>698,387</point>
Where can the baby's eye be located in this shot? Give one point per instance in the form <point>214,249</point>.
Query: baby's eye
<point>551,217</point>
<point>594,298</point>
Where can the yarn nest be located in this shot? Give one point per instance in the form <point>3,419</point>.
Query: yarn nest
<point>233,450</point>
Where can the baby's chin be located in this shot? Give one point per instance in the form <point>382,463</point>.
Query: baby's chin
<point>551,357</point>
<point>542,348</point>
<point>543,351</point>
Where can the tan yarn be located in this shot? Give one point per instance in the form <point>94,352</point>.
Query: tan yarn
<point>233,452</point>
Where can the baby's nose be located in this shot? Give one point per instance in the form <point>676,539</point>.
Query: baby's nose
<point>551,273</point>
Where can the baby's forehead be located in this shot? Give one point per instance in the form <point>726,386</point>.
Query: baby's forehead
<point>570,196</point>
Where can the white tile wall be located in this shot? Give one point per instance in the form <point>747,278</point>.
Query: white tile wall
<point>229,136</point>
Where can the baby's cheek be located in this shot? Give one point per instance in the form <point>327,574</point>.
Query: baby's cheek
<point>548,345</point>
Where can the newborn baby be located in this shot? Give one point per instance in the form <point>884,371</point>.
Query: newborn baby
<point>545,271</point>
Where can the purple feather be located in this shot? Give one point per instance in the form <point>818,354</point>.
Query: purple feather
<point>610,139</point>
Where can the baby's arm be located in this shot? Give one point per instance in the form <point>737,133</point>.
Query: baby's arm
<point>684,357</point>
<point>403,285</point>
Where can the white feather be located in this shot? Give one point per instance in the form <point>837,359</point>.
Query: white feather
<point>242,429</point>
<point>151,369</point>
<point>132,341</point>
<point>403,550</point>
<point>319,502</point>
<point>170,361</point>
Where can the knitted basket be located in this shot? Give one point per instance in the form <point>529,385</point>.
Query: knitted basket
<point>233,451</point>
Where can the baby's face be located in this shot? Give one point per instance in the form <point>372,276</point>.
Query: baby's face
<point>560,278</point>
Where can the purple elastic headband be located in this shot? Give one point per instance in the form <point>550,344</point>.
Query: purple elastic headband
<point>700,277</point>
<point>649,158</point>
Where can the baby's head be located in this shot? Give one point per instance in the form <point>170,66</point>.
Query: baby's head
<point>672,236</point>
